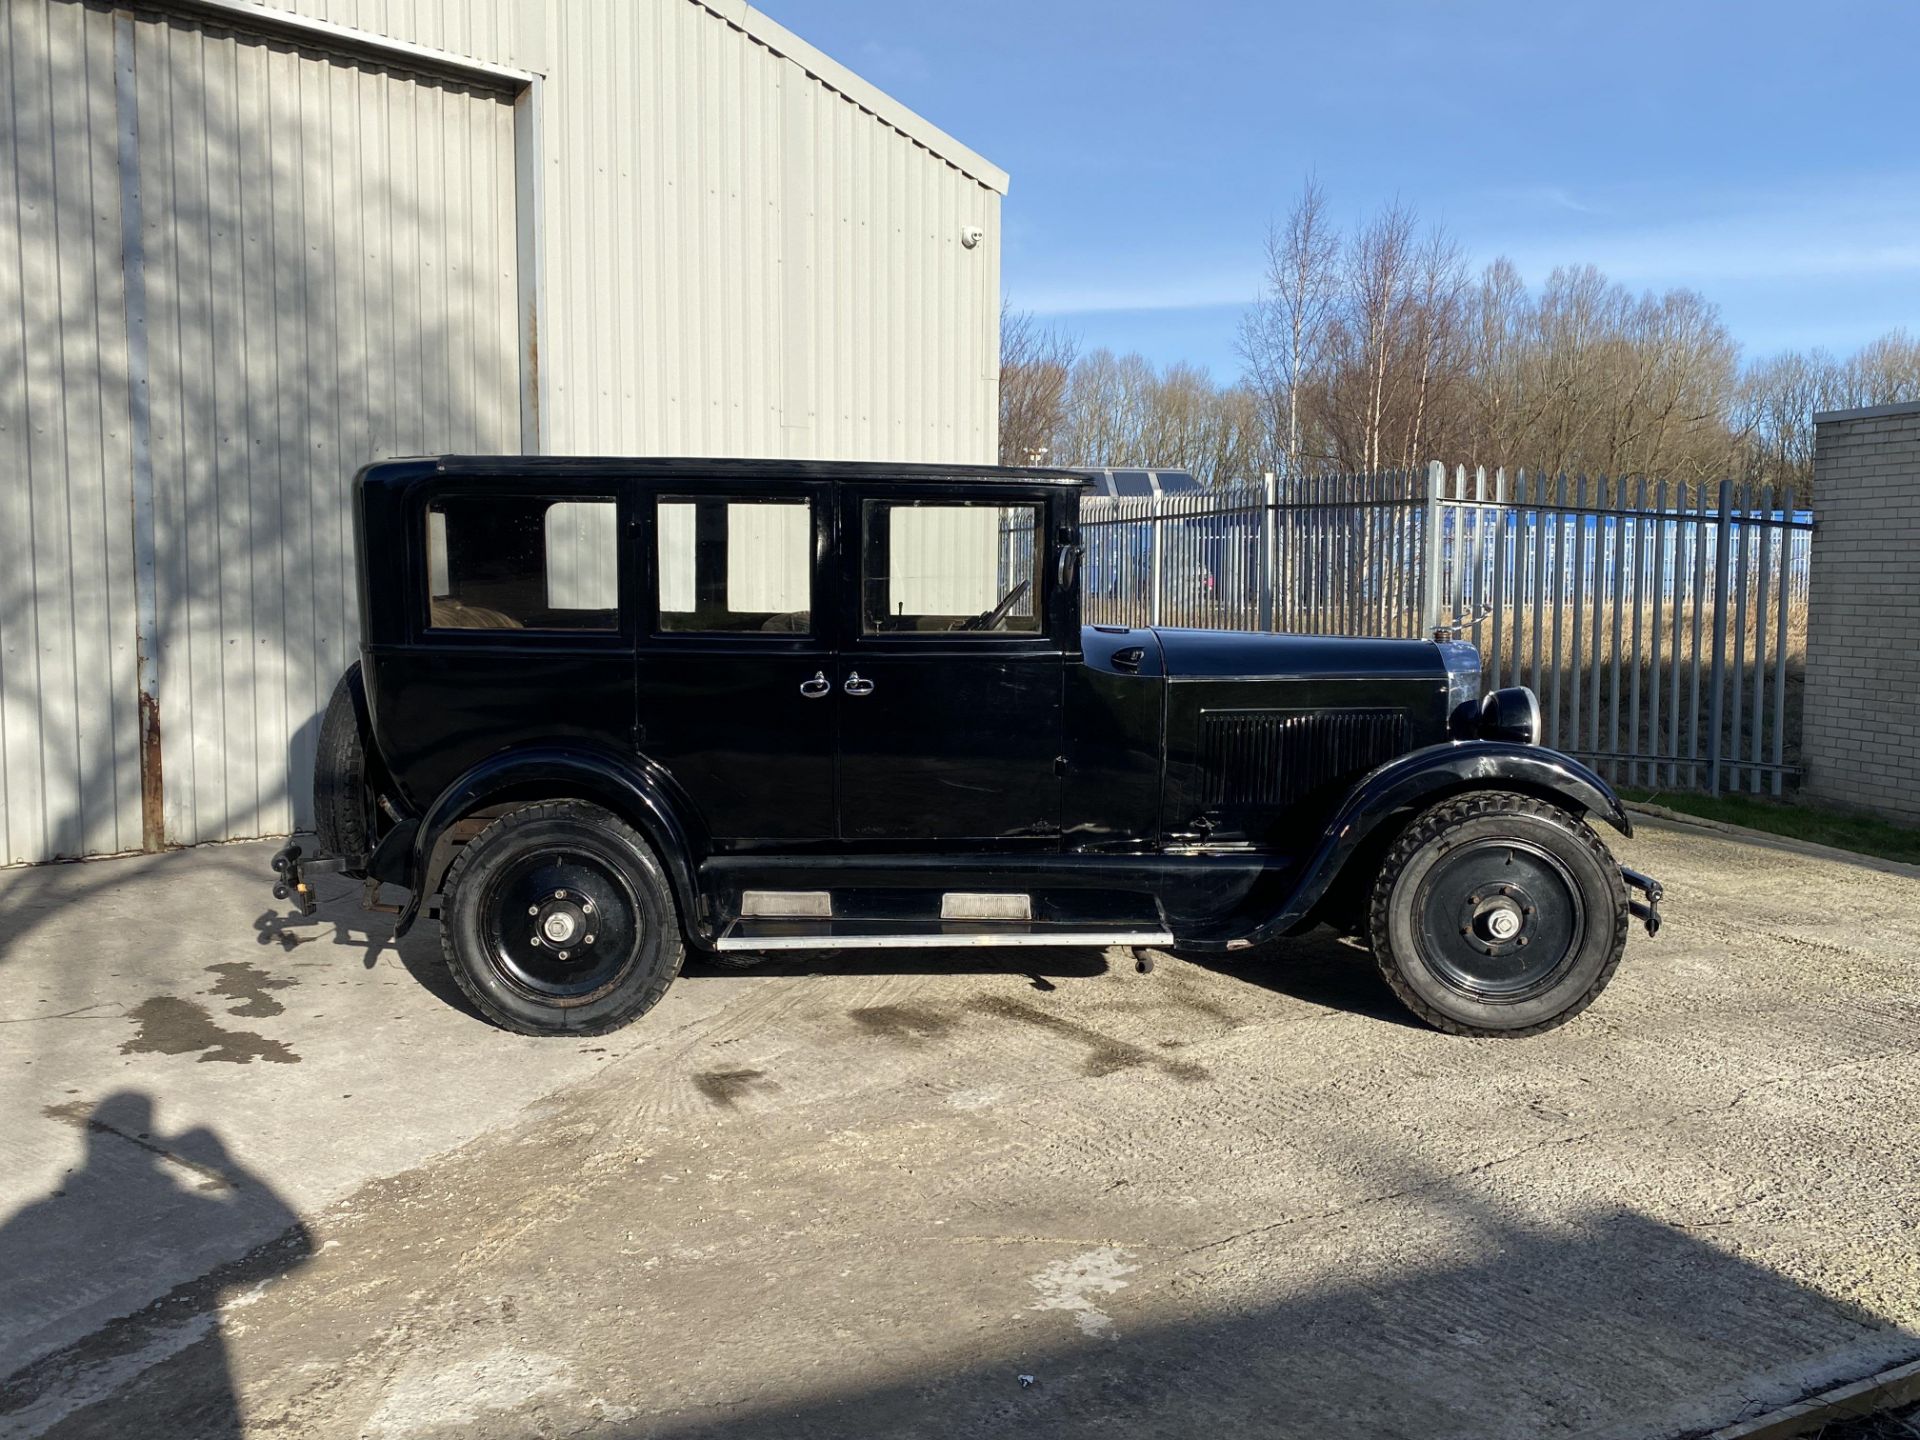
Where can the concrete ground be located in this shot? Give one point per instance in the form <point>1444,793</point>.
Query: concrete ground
<point>269,1178</point>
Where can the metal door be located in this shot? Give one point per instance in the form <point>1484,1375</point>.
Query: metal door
<point>949,722</point>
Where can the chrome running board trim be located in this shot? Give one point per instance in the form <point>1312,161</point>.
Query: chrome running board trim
<point>931,941</point>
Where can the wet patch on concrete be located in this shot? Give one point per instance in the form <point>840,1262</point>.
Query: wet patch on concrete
<point>727,1088</point>
<point>903,1022</point>
<point>179,1027</point>
<point>1105,1055</point>
<point>1211,1009</point>
<point>249,985</point>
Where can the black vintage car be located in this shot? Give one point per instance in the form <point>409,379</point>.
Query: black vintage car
<point>608,709</point>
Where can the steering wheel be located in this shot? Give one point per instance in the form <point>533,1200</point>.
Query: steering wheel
<point>993,619</point>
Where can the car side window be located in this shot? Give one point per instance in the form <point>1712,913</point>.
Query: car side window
<point>522,562</point>
<point>949,567</point>
<point>728,565</point>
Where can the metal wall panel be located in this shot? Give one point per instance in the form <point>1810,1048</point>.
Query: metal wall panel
<point>498,32</point>
<point>748,250</point>
<point>745,250</point>
<point>744,262</point>
<point>330,276</point>
<point>69,765</point>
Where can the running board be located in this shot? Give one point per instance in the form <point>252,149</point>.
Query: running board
<point>751,934</point>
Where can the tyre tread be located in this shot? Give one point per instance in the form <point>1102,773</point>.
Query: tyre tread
<point>1429,825</point>
<point>340,774</point>
<point>578,812</point>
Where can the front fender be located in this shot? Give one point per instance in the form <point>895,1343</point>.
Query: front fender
<point>1418,779</point>
<point>639,793</point>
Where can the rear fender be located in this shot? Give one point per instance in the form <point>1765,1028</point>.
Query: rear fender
<point>638,792</point>
<point>1419,779</point>
<point>379,779</point>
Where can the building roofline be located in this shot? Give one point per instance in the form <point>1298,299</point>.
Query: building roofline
<point>696,468</point>
<point>1868,412</point>
<point>868,96</point>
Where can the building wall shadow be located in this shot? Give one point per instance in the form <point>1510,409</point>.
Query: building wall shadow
<point>1623,1327</point>
<point>1434,1311</point>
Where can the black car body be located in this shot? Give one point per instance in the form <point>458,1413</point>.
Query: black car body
<point>778,678</point>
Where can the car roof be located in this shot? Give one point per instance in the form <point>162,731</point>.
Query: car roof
<point>709,468</point>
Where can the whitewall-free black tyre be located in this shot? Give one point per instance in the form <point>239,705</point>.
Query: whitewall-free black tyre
<point>558,920</point>
<point>1498,914</point>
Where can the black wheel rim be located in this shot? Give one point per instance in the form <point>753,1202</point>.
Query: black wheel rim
<point>560,925</point>
<point>1502,920</point>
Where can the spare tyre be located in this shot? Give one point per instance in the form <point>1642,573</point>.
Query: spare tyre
<point>341,802</point>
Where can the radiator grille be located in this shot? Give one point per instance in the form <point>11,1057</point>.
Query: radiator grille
<point>1270,758</point>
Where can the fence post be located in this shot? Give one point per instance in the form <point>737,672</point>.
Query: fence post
<point>1153,564</point>
<point>1722,541</point>
<point>1269,550</point>
<point>1436,548</point>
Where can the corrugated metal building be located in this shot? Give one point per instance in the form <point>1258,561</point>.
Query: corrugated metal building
<point>245,248</point>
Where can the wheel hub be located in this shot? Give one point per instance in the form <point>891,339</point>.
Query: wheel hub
<point>560,923</point>
<point>562,920</point>
<point>1502,918</point>
<point>1497,920</point>
<point>1501,923</point>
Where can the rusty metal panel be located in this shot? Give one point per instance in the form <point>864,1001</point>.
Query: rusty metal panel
<point>330,277</point>
<point>69,766</point>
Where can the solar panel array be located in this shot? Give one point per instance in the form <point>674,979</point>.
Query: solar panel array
<point>1141,484</point>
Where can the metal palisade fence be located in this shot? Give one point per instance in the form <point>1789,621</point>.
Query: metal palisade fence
<point>1663,626</point>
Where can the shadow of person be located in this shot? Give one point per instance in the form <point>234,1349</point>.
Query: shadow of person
<point>84,1276</point>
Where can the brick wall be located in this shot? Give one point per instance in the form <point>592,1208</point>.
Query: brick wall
<point>1861,729</point>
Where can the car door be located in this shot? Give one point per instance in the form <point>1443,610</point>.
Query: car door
<point>735,694</point>
<point>950,676</point>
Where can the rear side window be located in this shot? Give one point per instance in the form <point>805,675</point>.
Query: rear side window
<point>513,562</point>
<point>732,566</point>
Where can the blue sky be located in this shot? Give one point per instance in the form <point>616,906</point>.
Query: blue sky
<point>1765,154</point>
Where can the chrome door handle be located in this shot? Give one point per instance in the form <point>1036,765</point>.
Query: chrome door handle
<point>816,687</point>
<point>856,686</point>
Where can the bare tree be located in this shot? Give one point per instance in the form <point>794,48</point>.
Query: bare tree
<point>1036,364</point>
<point>1121,411</point>
<point>1435,345</point>
<point>1778,397</point>
<point>1378,277</point>
<point>1498,310</point>
<point>1281,334</point>
<point>1882,372</point>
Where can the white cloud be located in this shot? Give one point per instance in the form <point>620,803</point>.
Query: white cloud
<point>1847,229</point>
<point>1855,230</point>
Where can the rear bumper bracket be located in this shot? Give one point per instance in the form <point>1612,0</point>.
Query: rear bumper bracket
<point>291,867</point>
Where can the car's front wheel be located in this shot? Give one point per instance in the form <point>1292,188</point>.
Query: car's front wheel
<point>557,920</point>
<point>1497,914</point>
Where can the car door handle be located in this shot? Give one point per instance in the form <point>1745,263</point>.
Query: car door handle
<point>816,687</point>
<point>856,686</point>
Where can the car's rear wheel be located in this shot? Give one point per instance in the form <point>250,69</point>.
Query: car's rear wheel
<point>557,920</point>
<point>1497,914</point>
